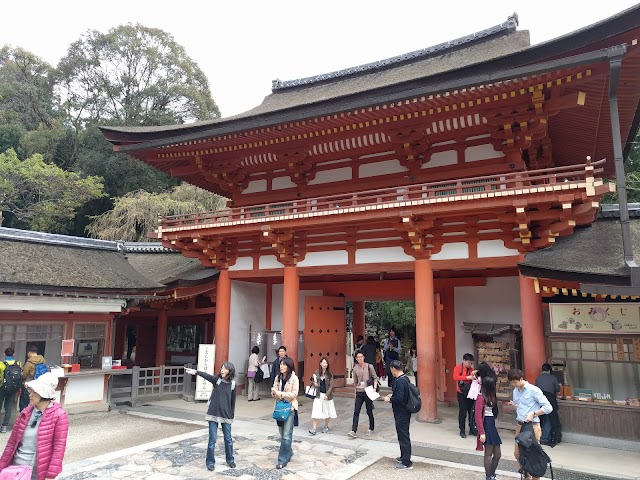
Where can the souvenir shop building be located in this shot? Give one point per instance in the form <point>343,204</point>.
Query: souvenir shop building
<point>92,293</point>
<point>427,176</point>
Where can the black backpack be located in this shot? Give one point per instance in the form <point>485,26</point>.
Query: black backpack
<point>414,404</point>
<point>533,459</point>
<point>259,375</point>
<point>12,377</point>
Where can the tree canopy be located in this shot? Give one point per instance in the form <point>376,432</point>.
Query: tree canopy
<point>133,75</point>
<point>40,195</point>
<point>135,214</point>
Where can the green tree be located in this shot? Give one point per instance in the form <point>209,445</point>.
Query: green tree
<point>30,119</point>
<point>42,196</point>
<point>133,75</point>
<point>135,215</point>
<point>632,175</point>
<point>391,314</point>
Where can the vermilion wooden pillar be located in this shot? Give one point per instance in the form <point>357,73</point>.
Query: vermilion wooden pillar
<point>161,337</point>
<point>533,344</point>
<point>426,340</point>
<point>358,320</point>
<point>290,312</point>
<point>223,319</point>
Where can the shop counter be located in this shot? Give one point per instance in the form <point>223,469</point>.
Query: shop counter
<point>600,419</point>
<point>86,390</point>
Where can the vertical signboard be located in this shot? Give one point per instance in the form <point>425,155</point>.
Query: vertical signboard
<point>206,358</point>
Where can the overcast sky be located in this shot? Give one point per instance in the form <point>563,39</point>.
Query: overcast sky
<point>243,45</point>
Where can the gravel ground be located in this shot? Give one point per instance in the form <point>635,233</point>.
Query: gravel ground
<point>94,434</point>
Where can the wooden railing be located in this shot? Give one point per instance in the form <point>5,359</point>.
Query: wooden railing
<point>503,182</point>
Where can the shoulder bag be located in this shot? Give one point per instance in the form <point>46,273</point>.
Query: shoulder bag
<point>282,409</point>
<point>465,385</point>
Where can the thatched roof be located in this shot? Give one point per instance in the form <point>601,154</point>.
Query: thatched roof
<point>49,262</point>
<point>592,254</point>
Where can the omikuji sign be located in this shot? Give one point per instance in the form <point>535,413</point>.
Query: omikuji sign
<point>616,318</point>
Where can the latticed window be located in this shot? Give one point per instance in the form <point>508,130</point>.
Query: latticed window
<point>36,332</point>
<point>89,331</point>
<point>478,188</point>
<point>444,193</point>
<point>600,350</point>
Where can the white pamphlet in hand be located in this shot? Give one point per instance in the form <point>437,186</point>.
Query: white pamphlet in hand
<point>371,393</point>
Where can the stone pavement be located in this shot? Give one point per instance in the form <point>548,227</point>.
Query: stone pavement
<point>438,450</point>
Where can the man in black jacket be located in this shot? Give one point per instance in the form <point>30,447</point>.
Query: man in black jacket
<point>399,399</point>
<point>275,366</point>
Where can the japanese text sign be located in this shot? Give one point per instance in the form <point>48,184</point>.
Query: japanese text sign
<point>615,318</point>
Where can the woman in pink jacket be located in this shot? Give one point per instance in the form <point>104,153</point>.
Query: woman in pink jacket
<point>39,436</point>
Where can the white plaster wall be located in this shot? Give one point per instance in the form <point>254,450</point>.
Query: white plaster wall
<point>481,152</point>
<point>380,168</point>
<point>280,183</point>
<point>451,251</point>
<point>84,389</point>
<point>276,309</point>
<point>315,259</point>
<point>248,307</point>
<point>335,175</point>
<point>256,186</point>
<point>268,261</point>
<point>441,159</point>
<point>494,248</point>
<point>497,302</point>
<point>386,254</point>
<point>242,263</point>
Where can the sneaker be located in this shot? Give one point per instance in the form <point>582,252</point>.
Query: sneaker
<point>399,459</point>
<point>312,431</point>
<point>3,429</point>
<point>211,468</point>
<point>462,434</point>
<point>231,464</point>
<point>352,434</point>
<point>325,430</point>
<point>402,466</point>
<point>369,432</point>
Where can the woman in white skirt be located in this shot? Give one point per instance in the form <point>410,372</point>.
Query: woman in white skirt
<point>323,406</point>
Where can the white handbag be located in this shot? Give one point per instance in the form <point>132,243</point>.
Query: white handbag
<point>474,390</point>
<point>311,391</point>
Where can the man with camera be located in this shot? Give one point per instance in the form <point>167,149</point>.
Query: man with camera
<point>464,375</point>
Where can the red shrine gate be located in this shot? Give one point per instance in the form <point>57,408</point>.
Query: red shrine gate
<point>439,169</point>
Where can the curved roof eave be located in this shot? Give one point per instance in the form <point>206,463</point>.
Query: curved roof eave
<point>129,139</point>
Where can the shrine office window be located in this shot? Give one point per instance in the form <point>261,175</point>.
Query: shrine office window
<point>605,366</point>
<point>89,343</point>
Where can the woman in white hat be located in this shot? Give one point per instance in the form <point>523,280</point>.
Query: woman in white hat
<point>39,437</point>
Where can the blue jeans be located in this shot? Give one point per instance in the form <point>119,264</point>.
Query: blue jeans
<point>228,442</point>
<point>286,437</point>
<point>545,422</point>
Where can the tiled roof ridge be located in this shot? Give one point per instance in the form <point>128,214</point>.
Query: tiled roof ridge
<point>509,26</point>
<point>58,239</point>
<point>16,234</point>
<point>612,210</point>
<point>147,247</point>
